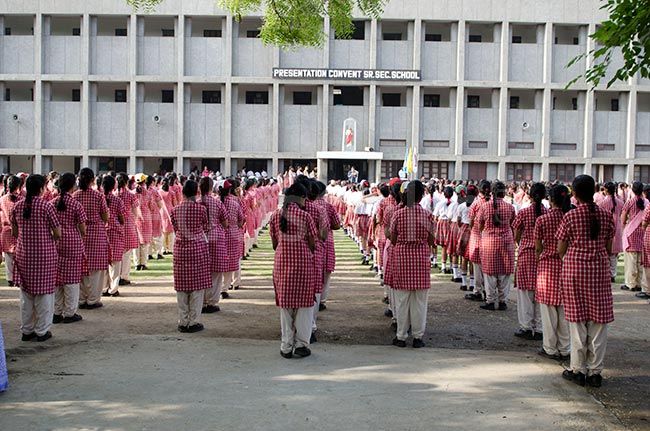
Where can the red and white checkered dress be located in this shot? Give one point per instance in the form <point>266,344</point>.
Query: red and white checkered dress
<point>452,237</point>
<point>549,268</point>
<point>526,273</point>
<point>389,213</point>
<point>586,286</point>
<point>333,219</point>
<point>96,240</point>
<point>130,232</point>
<point>7,241</point>
<point>115,230</point>
<point>321,220</point>
<point>635,240</point>
<point>36,256</point>
<point>168,198</point>
<point>156,219</point>
<point>411,252</point>
<point>191,255</point>
<point>497,242</point>
<point>234,234</point>
<point>646,239</point>
<point>381,228</point>
<point>607,203</point>
<point>70,247</point>
<point>294,271</point>
<point>143,221</point>
<point>216,235</point>
<point>474,245</point>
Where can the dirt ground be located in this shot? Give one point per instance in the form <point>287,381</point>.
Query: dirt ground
<point>354,317</point>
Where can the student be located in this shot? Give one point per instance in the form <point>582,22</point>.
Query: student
<point>497,247</point>
<point>155,207</point>
<point>191,258</point>
<point>443,225</point>
<point>70,248</point>
<point>389,270</point>
<point>474,245</point>
<point>36,228</point>
<point>143,223</point>
<point>530,324</point>
<point>169,200</point>
<point>7,202</point>
<point>632,218</point>
<point>330,253</point>
<point>464,233</point>
<point>646,247</point>
<point>234,234</point>
<point>95,242</point>
<point>556,342</point>
<point>115,232</point>
<point>294,236</point>
<point>412,233</point>
<point>584,243</point>
<point>132,209</point>
<point>614,205</point>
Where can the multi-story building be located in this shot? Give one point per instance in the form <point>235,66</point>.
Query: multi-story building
<point>93,83</point>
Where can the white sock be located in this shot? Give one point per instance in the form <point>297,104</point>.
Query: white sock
<point>472,283</point>
<point>463,280</point>
<point>435,260</point>
<point>454,271</point>
<point>443,266</point>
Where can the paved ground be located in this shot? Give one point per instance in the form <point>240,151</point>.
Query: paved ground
<point>125,366</point>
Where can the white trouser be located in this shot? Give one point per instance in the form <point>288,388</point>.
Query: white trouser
<point>156,246</point>
<point>588,346</point>
<point>613,262</point>
<point>212,295</point>
<point>125,269</point>
<point>141,254</point>
<point>36,313</point>
<point>528,311</point>
<point>556,330</point>
<point>411,312</point>
<point>168,241</point>
<point>318,297</point>
<point>232,278</point>
<point>295,324</point>
<point>392,302</point>
<point>479,280</point>
<point>9,263</point>
<point>190,305</point>
<point>113,281</point>
<point>497,287</point>
<point>326,287</point>
<point>66,300</point>
<point>92,286</point>
<point>634,276</point>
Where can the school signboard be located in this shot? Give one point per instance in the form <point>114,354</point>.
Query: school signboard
<point>347,74</point>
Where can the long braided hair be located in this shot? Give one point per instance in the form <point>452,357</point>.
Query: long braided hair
<point>499,191</point>
<point>34,185</point>
<point>65,183</point>
<point>610,188</point>
<point>637,189</point>
<point>293,194</point>
<point>12,186</point>
<point>583,187</point>
<point>537,194</point>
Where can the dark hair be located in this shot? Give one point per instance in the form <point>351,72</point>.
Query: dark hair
<point>86,177</point>
<point>165,184</point>
<point>296,190</point>
<point>583,188</point>
<point>13,185</point>
<point>559,195</point>
<point>150,179</point>
<point>34,185</point>
<point>485,187</point>
<point>235,184</point>
<point>472,192</point>
<point>537,193</point>
<point>108,185</point>
<point>413,193</point>
<point>190,188</point>
<point>205,185</point>
<point>610,187</point>
<point>499,191</point>
<point>637,189</point>
<point>122,180</point>
<point>65,183</point>
<point>449,193</point>
<point>395,192</point>
<point>322,188</point>
<point>384,190</point>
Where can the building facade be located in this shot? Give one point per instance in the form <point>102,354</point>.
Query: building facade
<point>91,83</point>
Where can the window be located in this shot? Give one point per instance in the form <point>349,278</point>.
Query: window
<point>390,168</point>
<point>642,173</point>
<point>76,95</point>
<point>167,32</point>
<point>433,38</point>
<point>211,33</point>
<point>477,144</point>
<point>477,170</point>
<point>432,101</point>
<point>7,94</point>
<point>391,99</point>
<point>521,145</point>
<point>516,39</point>
<point>435,169</point>
<point>120,32</point>
<point>574,103</point>
<point>564,173</point>
<point>475,38</point>
<point>358,31</point>
<point>211,96</point>
<point>392,143</point>
<point>519,171</point>
<point>107,164</point>
<point>435,144</point>
<point>576,41</point>
<point>514,102</point>
<point>560,146</point>
<point>302,97</point>
<point>605,147</point>
<point>7,31</point>
<point>614,105</point>
<point>392,36</point>
<point>76,31</point>
<point>120,96</point>
<point>167,96</point>
<point>473,101</point>
<point>257,97</point>
<point>348,96</point>
<point>252,34</point>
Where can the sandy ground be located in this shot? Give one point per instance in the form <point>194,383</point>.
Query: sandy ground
<point>126,367</point>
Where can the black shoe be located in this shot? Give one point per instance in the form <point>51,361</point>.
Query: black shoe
<point>106,294</point>
<point>503,306</point>
<point>302,352</point>
<point>526,334</point>
<point>159,257</point>
<point>144,268</point>
<point>29,337</point>
<point>457,280</point>
<point>138,268</point>
<point>44,337</point>
<point>209,309</point>
<point>313,339</point>
<point>635,289</point>
<point>471,288</point>
<point>542,353</point>
<point>72,319</point>
<point>245,257</point>
<point>114,294</point>
<point>489,306</point>
<point>93,306</point>
<point>195,328</point>
<point>83,306</point>
<point>11,283</point>
<point>595,380</point>
<point>563,358</point>
<point>624,287</point>
<point>150,257</point>
<point>577,378</point>
<point>393,326</point>
<point>57,318</point>
<point>322,307</point>
<point>255,246</point>
<point>478,297</point>
<point>235,287</point>
<point>385,300</point>
<point>399,343</point>
<point>538,336</point>
<point>288,355</point>
<point>388,312</point>
<point>642,295</point>
<point>417,343</point>
<point>182,328</point>
<point>449,271</point>
<point>123,282</point>
<point>613,279</point>
<point>463,288</point>
<point>225,295</point>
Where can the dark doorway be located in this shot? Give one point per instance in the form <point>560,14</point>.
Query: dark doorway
<point>338,169</point>
<point>255,165</point>
<point>309,163</point>
<point>166,165</point>
<point>477,171</point>
<point>213,165</point>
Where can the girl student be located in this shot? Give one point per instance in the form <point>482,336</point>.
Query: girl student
<point>464,233</point>
<point>12,194</point>
<point>632,219</point>
<point>36,228</point>
<point>132,209</point>
<point>530,324</point>
<point>474,245</point>
<point>614,205</point>
<point>556,343</point>
<point>70,250</point>
<point>441,214</point>
<point>116,236</point>
<point>584,244</point>
<point>143,223</point>
<point>234,234</point>
<point>294,236</point>
<point>389,269</point>
<point>330,253</point>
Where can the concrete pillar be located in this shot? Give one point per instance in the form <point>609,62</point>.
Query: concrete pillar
<point>180,89</point>
<point>133,90</point>
<point>417,44</point>
<point>374,40</point>
<point>326,45</point>
<point>275,129</point>
<point>548,53</point>
<point>460,114</point>
<point>504,52</point>
<point>630,136</point>
<point>460,51</point>
<point>228,34</point>
<point>324,100</point>
<point>547,101</point>
<point>372,120</point>
<point>227,127</point>
<point>415,119</point>
<point>589,107</point>
<point>38,90</point>
<point>502,128</point>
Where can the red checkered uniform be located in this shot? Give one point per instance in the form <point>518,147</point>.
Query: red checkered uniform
<point>168,198</point>
<point>411,251</point>
<point>156,219</point>
<point>36,256</point>
<point>294,271</point>
<point>497,242</point>
<point>130,232</point>
<point>381,228</point>
<point>586,286</point>
<point>636,238</point>
<point>526,274</point>
<point>216,234</point>
<point>646,239</point>
<point>462,248</point>
<point>96,240</point>
<point>549,268</point>
<point>191,255</point>
<point>389,212</point>
<point>7,241</point>
<point>474,245</point>
<point>143,221</point>
<point>321,220</point>
<point>114,229</point>
<point>70,247</point>
<point>234,234</point>
<point>607,203</point>
<point>333,220</point>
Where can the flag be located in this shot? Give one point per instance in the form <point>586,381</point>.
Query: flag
<point>410,166</point>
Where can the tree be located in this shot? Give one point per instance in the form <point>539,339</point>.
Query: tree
<point>627,29</point>
<point>291,23</point>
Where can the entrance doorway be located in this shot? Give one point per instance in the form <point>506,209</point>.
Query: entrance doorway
<point>338,169</point>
